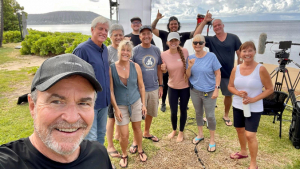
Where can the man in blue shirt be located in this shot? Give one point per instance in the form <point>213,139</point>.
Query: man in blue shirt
<point>95,53</point>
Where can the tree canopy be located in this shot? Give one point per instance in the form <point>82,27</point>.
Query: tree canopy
<point>10,9</point>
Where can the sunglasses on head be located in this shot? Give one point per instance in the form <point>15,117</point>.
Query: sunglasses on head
<point>200,42</point>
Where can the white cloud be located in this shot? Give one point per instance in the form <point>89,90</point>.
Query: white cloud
<point>188,9</point>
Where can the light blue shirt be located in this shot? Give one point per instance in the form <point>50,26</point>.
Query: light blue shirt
<point>203,72</point>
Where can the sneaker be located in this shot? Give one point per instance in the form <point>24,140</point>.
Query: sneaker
<point>163,107</point>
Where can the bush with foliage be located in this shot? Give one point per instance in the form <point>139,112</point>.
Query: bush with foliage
<point>48,43</point>
<point>11,37</point>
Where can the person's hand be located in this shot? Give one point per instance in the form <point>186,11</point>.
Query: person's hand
<point>208,17</point>
<point>160,92</point>
<point>215,94</point>
<point>127,38</point>
<point>163,66</point>
<point>159,15</point>
<point>191,62</point>
<point>144,110</point>
<point>118,115</point>
<point>247,100</point>
<point>242,94</point>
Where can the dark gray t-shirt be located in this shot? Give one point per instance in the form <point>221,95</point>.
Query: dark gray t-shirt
<point>148,59</point>
<point>225,51</point>
<point>112,55</point>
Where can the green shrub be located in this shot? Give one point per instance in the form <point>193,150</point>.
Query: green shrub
<point>48,43</point>
<point>11,37</point>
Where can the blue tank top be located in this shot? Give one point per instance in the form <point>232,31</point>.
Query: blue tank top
<point>126,95</point>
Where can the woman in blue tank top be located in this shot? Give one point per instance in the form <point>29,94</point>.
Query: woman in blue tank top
<point>128,99</point>
<point>246,83</point>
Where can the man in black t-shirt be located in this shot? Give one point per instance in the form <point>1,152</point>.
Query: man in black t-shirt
<point>61,103</point>
<point>224,46</point>
<point>136,23</point>
<point>173,26</point>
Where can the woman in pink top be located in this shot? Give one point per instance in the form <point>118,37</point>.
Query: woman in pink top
<point>174,62</point>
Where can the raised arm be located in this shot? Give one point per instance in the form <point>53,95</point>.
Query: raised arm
<point>154,23</point>
<point>207,18</point>
<point>141,87</point>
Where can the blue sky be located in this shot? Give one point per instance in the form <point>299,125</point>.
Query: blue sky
<point>185,10</point>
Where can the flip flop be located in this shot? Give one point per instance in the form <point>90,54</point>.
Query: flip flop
<point>141,154</point>
<point>239,156</point>
<point>110,153</point>
<point>211,146</point>
<point>124,158</point>
<point>151,138</point>
<point>226,121</point>
<point>198,140</point>
<point>134,147</point>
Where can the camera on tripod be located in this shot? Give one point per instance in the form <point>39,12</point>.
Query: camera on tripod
<point>284,46</point>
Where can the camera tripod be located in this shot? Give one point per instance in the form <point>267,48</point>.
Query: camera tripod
<point>285,78</point>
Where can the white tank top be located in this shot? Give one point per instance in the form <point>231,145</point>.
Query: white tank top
<point>252,85</point>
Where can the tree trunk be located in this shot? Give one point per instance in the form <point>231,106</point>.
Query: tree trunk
<point>1,22</point>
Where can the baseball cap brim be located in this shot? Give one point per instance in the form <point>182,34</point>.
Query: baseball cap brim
<point>53,80</point>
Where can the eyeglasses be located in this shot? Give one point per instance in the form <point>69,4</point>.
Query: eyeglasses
<point>200,42</point>
<point>136,22</point>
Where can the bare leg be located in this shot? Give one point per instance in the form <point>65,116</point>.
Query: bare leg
<point>109,134</point>
<point>116,136</point>
<point>124,134</point>
<point>136,126</point>
<point>227,105</point>
<point>212,140</point>
<point>148,122</point>
<point>242,140</point>
<point>200,134</point>
<point>253,148</point>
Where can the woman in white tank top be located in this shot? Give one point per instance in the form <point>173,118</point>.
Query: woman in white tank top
<point>246,83</point>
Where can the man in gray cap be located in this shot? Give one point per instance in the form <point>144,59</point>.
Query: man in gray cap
<point>61,103</point>
<point>148,58</point>
<point>136,23</point>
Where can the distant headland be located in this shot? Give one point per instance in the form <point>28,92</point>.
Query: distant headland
<point>61,17</point>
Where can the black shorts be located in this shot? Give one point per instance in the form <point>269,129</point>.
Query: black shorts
<point>110,113</point>
<point>250,123</point>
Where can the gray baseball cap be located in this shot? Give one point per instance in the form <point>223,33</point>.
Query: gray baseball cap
<point>59,67</point>
<point>173,35</point>
<point>145,27</point>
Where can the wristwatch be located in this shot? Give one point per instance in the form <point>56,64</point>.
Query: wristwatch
<point>161,85</point>
<point>217,87</point>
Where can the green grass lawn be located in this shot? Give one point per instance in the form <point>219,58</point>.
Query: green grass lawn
<point>16,122</point>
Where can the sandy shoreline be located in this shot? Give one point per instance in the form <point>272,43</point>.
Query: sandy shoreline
<point>293,72</point>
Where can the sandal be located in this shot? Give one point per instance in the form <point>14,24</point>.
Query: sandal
<point>151,138</point>
<point>124,158</point>
<point>239,156</point>
<point>197,140</point>
<point>114,154</point>
<point>133,147</point>
<point>211,146</point>
<point>227,121</point>
<point>141,155</point>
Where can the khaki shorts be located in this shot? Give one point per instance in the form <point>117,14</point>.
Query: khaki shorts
<point>136,113</point>
<point>152,102</point>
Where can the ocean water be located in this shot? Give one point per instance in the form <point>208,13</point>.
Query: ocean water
<point>276,31</point>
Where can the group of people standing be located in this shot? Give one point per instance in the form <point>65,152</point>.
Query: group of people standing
<point>129,74</point>
<point>134,75</point>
